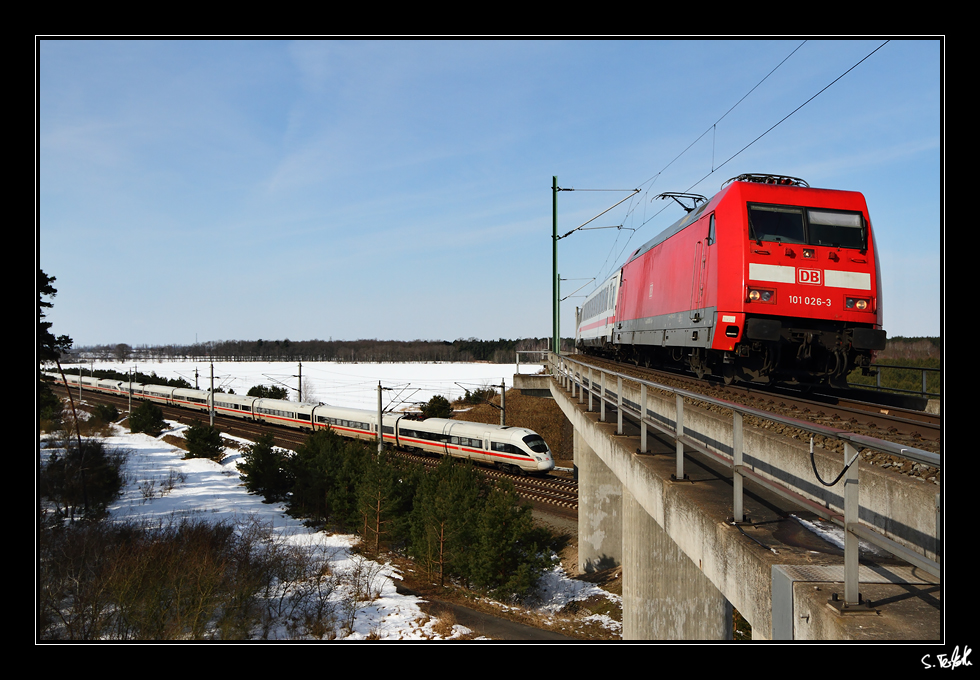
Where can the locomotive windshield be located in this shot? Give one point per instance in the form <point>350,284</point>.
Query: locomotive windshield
<point>536,443</point>
<point>835,228</point>
<point>812,226</point>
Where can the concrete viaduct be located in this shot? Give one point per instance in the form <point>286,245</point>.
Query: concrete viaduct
<point>661,498</point>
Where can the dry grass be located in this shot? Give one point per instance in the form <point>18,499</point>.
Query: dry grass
<point>175,441</point>
<point>181,443</point>
<point>89,423</point>
<point>444,625</point>
<point>575,622</point>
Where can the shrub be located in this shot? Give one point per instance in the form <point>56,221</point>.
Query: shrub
<point>107,413</point>
<point>83,480</point>
<point>204,441</point>
<point>480,396</point>
<point>147,418</point>
<point>183,579</point>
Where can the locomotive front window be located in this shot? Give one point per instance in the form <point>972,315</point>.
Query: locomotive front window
<point>839,229</point>
<point>783,224</point>
<point>536,444</point>
<point>810,226</point>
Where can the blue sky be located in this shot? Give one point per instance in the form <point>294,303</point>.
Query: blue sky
<point>244,189</point>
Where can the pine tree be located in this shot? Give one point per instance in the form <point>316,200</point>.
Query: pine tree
<point>147,418</point>
<point>447,505</point>
<point>265,469</point>
<point>204,441</point>
<point>511,554</point>
<point>272,392</point>
<point>437,407</point>
<point>50,348</point>
<point>326,469</point>
<point>384,496</point>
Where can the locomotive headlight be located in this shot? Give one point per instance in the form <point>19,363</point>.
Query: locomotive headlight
<point>860,304</point>
<point>761,295</point>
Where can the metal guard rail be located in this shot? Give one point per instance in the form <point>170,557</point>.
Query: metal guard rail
<point>853,443</point>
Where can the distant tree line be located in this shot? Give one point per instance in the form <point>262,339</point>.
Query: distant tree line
<point>500,351</point>
<point>352,351</point>
<point>137,377</point>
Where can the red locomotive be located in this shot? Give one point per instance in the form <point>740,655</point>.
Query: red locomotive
<point>768,281</point>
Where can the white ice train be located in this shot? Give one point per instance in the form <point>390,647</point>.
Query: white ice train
<point>514,449</point>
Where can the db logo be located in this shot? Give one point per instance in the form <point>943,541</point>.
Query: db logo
<point>811,276</point>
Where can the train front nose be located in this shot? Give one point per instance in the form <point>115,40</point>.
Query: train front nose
<point>539,452</point>
<point>545,461</point>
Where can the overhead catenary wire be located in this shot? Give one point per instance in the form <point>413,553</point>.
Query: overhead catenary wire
<point>601,276</point>
<point>784,118</point>
<point>582,226</point>
<point>724,115</point>
<point>587,282</point>
<point>651,180</point>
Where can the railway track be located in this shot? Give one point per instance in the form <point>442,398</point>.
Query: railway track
<point>902,426</point>
<point>548,491</point>
<point>849,412</point>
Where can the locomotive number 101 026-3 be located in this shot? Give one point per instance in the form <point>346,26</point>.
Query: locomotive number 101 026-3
<point>807,300</point>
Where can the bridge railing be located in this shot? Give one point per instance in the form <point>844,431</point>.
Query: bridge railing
<point>536,357</point>
<point>606,386</point>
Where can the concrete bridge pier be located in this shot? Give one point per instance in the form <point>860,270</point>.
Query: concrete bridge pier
<point>665,595</point>
<point>600,516</point>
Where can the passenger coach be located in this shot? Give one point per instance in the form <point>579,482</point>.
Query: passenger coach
<point>510,448</point>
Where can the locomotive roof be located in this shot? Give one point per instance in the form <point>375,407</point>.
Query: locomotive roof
<point>741,180</point>
<point>676,226</point>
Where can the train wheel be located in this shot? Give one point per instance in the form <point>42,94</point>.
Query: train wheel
<point>728,373</point>
<point>697,364</point>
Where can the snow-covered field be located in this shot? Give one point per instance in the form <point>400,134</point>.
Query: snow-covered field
<point>213,490</point>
